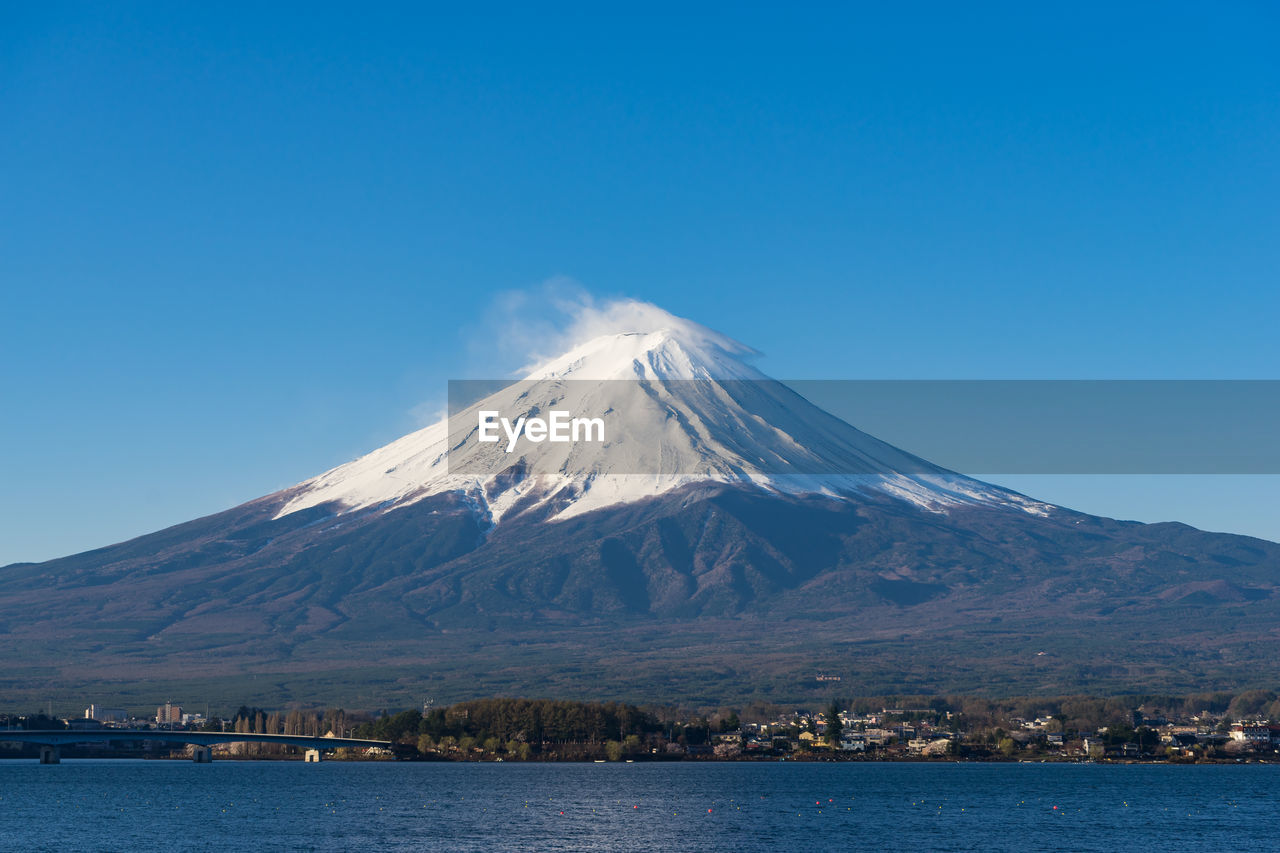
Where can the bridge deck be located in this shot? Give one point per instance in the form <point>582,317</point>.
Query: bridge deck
<point>62,737</point>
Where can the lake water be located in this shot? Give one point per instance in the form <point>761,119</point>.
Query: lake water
<point>230,805</point>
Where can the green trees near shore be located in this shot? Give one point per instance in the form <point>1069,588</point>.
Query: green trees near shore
<point>834,726</point>
<point>518,728</point>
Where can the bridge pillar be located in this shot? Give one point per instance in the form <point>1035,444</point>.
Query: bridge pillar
<point>311,755</point>
<point>201,754</point>
<point>50,755</point>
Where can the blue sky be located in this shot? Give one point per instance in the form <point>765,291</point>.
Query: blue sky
<point>241,245</point>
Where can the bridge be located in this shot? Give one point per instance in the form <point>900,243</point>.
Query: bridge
<point>51,740</point>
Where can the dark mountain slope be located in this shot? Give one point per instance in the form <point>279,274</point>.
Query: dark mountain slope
<point>778,586</point>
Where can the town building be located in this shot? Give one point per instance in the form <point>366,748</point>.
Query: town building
<point>105,715</point>
<point>1255,733</point>
<point>169,714</point>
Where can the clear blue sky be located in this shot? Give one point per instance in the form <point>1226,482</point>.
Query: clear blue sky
<point>241,245</point>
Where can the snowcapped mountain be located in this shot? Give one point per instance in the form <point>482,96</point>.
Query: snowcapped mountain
<point>686,408</point>
<point>720,539</point>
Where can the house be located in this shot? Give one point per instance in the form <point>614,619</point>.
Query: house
<point>853,743</point>
<point>937,747</point>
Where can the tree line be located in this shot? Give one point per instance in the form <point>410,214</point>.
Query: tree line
<point>520,728</point>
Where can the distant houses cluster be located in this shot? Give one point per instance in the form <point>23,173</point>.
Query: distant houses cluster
<point>167,715</point>
<point>924,733</point>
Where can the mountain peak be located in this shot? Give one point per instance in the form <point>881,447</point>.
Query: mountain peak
<point>683,405</point>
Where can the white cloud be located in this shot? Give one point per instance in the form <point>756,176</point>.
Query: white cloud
<point>526,327</point>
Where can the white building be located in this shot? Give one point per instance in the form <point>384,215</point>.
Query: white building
<point>105,715</point>
<point>1255,733</point>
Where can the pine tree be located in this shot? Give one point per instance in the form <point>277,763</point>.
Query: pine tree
<point>834,726</point>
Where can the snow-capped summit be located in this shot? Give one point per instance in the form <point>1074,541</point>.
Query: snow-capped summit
<point>681,405</point>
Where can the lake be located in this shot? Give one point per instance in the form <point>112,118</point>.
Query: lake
<point>230,805</point>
